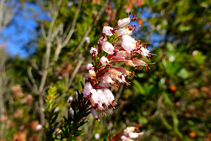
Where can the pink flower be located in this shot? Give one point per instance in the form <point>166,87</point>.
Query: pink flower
<point>92,74</point>
<point>104,83</point>
<point>94,113</point>
<point>108,94</point>
<point>121,32</point>
<point>123,70</point>
<point>138,62</point>
<point>89,66</point>
<point>102,40</point>
<point>130,63</point>
<point>108,30</point>
<point>107,79</point>
<point>123,22</point>
<point>144,51</point>
<point>94,98</point>
<point>104,61</point>
<point>93,51</point>
<point>108,48</point>
<point>128,46</point>
<point>87,89</point>
<point>102,98</point>
<point>128,38</point>
<point>121,54</point>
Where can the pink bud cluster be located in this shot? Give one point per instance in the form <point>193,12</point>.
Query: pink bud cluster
<point>115,46</point>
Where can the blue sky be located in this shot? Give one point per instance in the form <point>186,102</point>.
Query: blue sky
<point>22,29</point>
<point>23,26</point>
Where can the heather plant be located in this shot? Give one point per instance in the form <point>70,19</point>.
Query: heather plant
<point>115,49</point>
<point>170,102</point>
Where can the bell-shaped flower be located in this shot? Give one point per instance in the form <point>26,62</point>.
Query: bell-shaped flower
<point>102,40</point>
<point>128,38</point>
<point>104,61</point>
<point>138,62</point>
<point>128,46</point>
<point>130,63</point>
<point>144,51</point>
<point>102,98</point>
<point>121,32</point>
<point>123,22</point>
<point>129,130</point>
<point>107,79</point>
<point>89,66</point>
<point>94,98</point>
<point>93,51</point>
<point>108,94</point>
<point>108,48</point>
<point>87,89</point>
<point>123,70</point>
<point>92,74</point>
<point>104,83</point>
<point>94,113</point>
<point>108,30</point>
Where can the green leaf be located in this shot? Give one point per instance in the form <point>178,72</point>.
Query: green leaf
<point>183,73</point>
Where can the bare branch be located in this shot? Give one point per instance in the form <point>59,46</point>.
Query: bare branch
<point>28,84</point>
<point>43,32</point>
<point>35,66</point>
<point>90,28</point>
<point>73,24</point>
<point>74,72</point>
<point>29,71</point>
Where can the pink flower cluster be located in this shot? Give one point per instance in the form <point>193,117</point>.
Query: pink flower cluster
<point>115,46</point>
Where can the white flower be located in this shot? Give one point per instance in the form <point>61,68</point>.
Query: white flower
<point>89,66</point>
<point>94,113</point>
<point>93,51</point>
<point>123,138</point>
<point>129,130</point>
<point>128,46</point>
<point>128,38</point>
<point>144,51</point>
<point>108,94</point>
<point>94,97</point>
<point>92,74</point>
<point>102,97</point>
<point>87,39</point>
<point>107,30</point>
<point>70,99</point>
<point>97,136</point>
<point>120,32</point>
<point>102,40</point>
<point>71,112</point>
<point>124,31</point>
<point>108,48</point>
<point>87,89</point>
<point>133,135</point>
<point>104,60</point>
<point>38,127</point>
<point>123,22</point>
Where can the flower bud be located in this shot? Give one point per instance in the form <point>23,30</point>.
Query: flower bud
<point>38,127</point>
<point>93,51</point>
<point>107,30</point>
<point>94,113</point>
<point>70,99</point>
<point>104,60</point>
<point>87,89</point>
<point>123,22</point>
<point>71,111</point>
<point>108,48</point>
<point>89,66</point>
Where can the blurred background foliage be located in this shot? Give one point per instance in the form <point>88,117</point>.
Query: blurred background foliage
<point>172,101</point>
